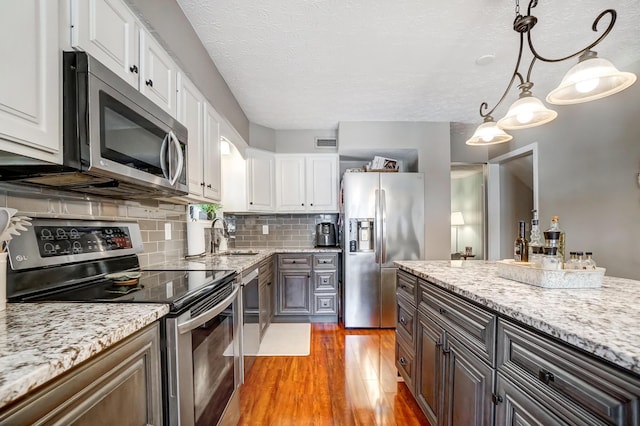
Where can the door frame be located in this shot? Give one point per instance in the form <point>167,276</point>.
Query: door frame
<point>493,193</point>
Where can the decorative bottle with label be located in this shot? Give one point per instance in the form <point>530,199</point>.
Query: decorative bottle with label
<point>521,245</point>
<point>555,229</point>
<point>536,242</point>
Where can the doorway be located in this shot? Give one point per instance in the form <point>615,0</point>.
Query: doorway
<point>468,210</point>
<point>512,192</point>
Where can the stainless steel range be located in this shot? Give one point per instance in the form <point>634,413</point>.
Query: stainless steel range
<point>96,261</point>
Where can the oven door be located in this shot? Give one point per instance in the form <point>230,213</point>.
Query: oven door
<point>203,365</point>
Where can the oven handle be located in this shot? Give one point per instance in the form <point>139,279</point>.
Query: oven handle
<point>188,326</point>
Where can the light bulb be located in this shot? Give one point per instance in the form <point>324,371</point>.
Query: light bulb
<point>587,86</point>
<point>524,117</point>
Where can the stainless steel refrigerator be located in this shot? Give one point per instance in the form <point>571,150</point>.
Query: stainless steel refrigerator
<point>383,221</point>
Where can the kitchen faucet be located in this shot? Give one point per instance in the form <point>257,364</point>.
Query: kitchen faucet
<point>216,236</point>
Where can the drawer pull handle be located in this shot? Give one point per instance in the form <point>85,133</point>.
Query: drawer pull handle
<point>403,321</point>
<point>133,69</point>
<point>545,376</point>
<point>402,286</point>
<point>402,361</point>
<point>443,311</point>
<point>149,83</point>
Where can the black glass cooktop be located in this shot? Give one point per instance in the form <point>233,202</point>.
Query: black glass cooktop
<point>176,288</point>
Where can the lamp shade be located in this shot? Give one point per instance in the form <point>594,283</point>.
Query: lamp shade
<point>457,219</point>
<point>488,133</point>
<point>528,111</point>
<point>590,79</point>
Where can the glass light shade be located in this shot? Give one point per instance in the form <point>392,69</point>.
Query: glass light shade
<point>588,80</point>
<point>488,133</point>
<point>457,219</point>
<point>526,112</point>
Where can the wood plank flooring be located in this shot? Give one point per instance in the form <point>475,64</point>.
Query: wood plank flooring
<point>348,379</point>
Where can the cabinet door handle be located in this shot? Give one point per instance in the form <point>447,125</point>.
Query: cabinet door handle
<point>302,204</point>
<point>311,204</point>
<point>496,399</point>
<point>209,186</point>
<point>545,376</point>
<point>443,311</point>
<point>201,183</point>
<point>446,351</point>
<point>438,344</point>
<point>402,361</point>
<point>250,202</point>
<point>403,321</point>
<point>149,83</point>
<point>133,69</point>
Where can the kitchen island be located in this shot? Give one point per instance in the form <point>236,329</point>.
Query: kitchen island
<point>510,352</point>
<point>40,342</point>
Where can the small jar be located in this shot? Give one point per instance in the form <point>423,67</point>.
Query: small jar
<point>535,256</point>
<point>589,262</point>
<point>550,259</point>
<point>572,263</point>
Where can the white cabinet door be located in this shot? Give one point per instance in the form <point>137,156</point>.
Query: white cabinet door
<point>260,181</point>
<point>191,114</point>
<point>157,73</point>
<point>212,174</point>
<point>322,183</point>
<point>290,183</point>
<point>108,31</point>
<point>30,82</point>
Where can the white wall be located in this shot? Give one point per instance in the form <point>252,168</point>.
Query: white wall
<point>588,161</point>
<point>431,140</point>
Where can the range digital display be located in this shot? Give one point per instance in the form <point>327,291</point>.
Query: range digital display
<point>67,240</point>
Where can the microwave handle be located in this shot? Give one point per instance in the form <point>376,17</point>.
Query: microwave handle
<point>178,170</point>
<point>163,156</point>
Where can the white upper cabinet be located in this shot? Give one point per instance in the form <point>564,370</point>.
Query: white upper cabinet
<point>290,183</point>
<point>203,147</point>
<point>260,181</point>
<point>212,173</point>
<point>322,183</point>
<point>306,183</point>
<point>108,31</point>
<point>30,83</point>
<point>191,114</point>
<point>157,73</point>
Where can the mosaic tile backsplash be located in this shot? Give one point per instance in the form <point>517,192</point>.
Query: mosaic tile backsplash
<point>151,215</point>
<point>285,230</point>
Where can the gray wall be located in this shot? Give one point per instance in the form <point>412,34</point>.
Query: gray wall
<point>431,140</point>
<point>171,26</point>
<point>588,161</point>
<point>262,137</point>
<point>296,141</point>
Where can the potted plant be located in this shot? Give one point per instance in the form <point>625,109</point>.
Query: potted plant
<point>210,209</point>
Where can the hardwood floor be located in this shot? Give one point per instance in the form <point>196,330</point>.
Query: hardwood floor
<point>348,379</point>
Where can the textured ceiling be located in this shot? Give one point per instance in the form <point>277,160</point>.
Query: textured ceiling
<point>309,64</point>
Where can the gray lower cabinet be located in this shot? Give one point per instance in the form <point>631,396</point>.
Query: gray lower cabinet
<point>265,290</point>
<point>473,367</point>
<point>120,386</point>
<point>307,284</point>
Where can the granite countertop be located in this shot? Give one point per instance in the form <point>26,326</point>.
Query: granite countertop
<point>39,341</point>
<point>238,260</point>
<point>603,321</point>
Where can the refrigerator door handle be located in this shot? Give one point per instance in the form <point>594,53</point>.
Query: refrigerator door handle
<point>383,220</point>
<point>376,228</point>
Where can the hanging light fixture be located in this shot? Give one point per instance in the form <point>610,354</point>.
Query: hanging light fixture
<point>592,78</point>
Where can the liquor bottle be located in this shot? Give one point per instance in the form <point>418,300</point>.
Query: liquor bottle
<point>521,245</point>
<point>536,242</point>
<point>558,235</point>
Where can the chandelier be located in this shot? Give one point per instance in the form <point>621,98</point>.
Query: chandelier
<point>590,79</point>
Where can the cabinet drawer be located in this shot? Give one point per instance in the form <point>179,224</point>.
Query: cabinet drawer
<point>325,261</point>
<point>407,286</point>
<point>325,304</point>
<point>555,368</point>
<point>470,324</point>
<point>324,281</point>
<point>405,363</point>
<point>406,327</point>
<point>297,261</point>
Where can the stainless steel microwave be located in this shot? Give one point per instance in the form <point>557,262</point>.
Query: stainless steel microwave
<point>116,142</point>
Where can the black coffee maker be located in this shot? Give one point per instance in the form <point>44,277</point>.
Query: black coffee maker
<point>325,234</point>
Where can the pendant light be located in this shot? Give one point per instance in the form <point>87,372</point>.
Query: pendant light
<point>488,133</point>
<point>592,78</point>
<point>527,111</point>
